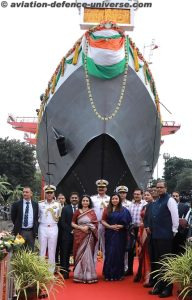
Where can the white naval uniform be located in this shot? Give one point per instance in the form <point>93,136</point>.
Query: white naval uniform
<point>126,203</point>
<point>48,229</point>
<point>99,203</point>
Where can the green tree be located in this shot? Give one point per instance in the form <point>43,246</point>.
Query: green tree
<point>17,162</point>
<point>36,186</point>
<point>15,194</point>
<point>184,181</point>
<point>4,188</point>
<point>174,167</point>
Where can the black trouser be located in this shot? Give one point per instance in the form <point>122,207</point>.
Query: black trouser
<point>66,250</point>
<point>161,247</point>
<point>58,249</point>
<point>152,278</point>
<point>131,252</point>
<point>29,238</point>
<point>179,243</point>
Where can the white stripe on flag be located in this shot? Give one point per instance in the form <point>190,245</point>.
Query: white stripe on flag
<point>106,57</point>
<point>105,32</point>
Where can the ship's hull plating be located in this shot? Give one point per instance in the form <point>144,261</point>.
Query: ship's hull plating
<point>123,150</point>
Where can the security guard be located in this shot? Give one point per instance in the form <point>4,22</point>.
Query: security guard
<point>122,190</point>
<point>100,201</point>
<point>49,211</point>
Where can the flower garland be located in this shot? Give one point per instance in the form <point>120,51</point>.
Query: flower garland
<point>76,49</point>
<point>122,92</point>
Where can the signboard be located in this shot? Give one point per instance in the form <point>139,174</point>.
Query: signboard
<point>93,12</point>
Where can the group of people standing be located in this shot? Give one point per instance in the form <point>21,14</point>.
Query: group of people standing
<point>112,226</point>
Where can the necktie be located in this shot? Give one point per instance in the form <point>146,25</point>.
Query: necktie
<point>25,223</point>
<point>74,208</point>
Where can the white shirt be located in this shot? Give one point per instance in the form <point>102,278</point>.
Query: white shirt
<point>126,203</point>
<point>173,208</point>
<point>49,212</point>
<point>74,207</point>
<point>135,210</point>
<point>99,203</point>
<point>30,214</point>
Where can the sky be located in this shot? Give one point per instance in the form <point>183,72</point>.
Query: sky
<point>33,41</point>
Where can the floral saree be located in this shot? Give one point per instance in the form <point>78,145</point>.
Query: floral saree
<point>84,246</point>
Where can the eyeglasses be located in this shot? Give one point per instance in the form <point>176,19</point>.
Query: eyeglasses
<point>49,192</point>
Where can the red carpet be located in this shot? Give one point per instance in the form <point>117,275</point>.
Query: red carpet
<point>119,290</point>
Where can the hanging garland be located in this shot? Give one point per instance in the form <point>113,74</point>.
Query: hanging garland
<point>76,50</point>
<point>122,92</point>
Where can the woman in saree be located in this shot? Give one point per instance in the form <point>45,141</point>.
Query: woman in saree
<point>116,219</point>
<point>85,226</point>
<point>144,268</point>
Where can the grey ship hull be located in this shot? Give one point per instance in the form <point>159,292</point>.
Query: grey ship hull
<point>123,150</point>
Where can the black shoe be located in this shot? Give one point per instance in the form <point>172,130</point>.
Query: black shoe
<point>128,273</point>
<point>65,274</point>
<point>165,294</point>
<point>137,278</point>
<point>148,285</point>
<point>155,291</point>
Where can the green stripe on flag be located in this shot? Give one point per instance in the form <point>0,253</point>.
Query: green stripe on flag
<point>104,72</point>
<point>100,37</point>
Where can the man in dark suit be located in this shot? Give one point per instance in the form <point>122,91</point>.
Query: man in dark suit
<point>181,236</point>
<point>67,233</point>
<point>24,215</point>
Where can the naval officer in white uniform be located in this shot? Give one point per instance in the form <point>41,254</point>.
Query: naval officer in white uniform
<point>100,201</point>
<point>49,212</point>
<point>122,190</point>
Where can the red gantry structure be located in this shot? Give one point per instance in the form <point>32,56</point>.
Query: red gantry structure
<point>29,126</point>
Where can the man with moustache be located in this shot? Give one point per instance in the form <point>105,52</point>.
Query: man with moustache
<point>135,210</point>
<point>164,222</point>
<point>100,201</point>
<point>180,238</point>
<point>62,201</point>
<point>67,233</point>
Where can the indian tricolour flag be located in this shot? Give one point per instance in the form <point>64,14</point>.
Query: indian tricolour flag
<point>105,53</point>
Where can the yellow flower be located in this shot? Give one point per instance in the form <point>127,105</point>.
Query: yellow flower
<point>19,240</point>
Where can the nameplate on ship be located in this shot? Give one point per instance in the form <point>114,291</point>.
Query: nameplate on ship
<point>97,15</point>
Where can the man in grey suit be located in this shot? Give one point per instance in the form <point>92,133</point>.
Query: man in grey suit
<point>24,215</point>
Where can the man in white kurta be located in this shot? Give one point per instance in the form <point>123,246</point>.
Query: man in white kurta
<point>49,212</point>
<point>100,201</point>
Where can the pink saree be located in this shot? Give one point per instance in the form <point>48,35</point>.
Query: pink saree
<point>84,246</point>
